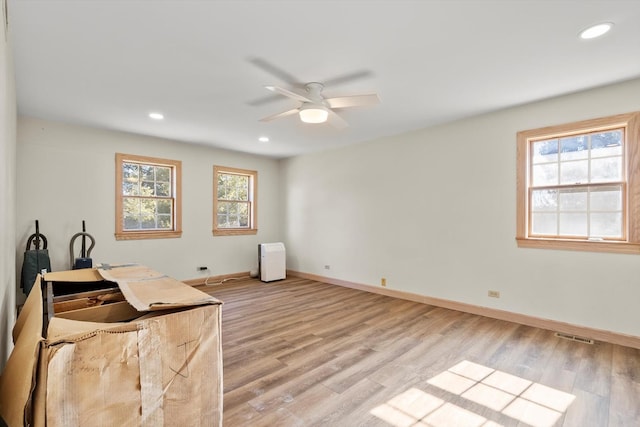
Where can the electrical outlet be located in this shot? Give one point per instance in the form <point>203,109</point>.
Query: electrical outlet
<point>327,267</point>
<point>494,294</point>
<point>383,282</point>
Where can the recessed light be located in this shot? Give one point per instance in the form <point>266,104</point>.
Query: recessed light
<point>263,139</point>
<point>595,31</point>
<point>156,116</point>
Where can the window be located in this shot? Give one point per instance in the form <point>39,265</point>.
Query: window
<point>579,186</point>
<point>235,192</point>
<point>148,202</point>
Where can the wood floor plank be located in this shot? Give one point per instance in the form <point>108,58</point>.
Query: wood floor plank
<point>299,352</point>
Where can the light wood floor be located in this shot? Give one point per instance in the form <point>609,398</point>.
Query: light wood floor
<point>304,353</point>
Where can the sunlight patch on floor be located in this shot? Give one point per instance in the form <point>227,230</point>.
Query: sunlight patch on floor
<point>520,399</point>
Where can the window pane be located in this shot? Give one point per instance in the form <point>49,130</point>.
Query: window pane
<point>606,143</point>
<point>233,202</point>
<point>606,169</point>
<point>233,214</point>
<point>164,206</point>
<point>232,208</point>
<point>164,222</point>
<point>222,192</point>
<point>163,189</point>
<point>130,172</point>
<point>544,200</point>
<point>131,206</point>
<point>148,213</point>
<point>544,224</point>
<point>606,199</point>
<point>130,188</point>
<point>606,225</point>
<point>163,174</point>
<point>574,147</point>
<point>146,173</point>
<point>573,200</point>
<point>131,213</point>
<point>545,151</point>
<point>233,187</point>
<point>146,189</point>
<point>223,208</point>
<point>574,172</point>
<point>243,193</point>
<point>147,196</point>
<point>573,224</point>
<point>148,223</point>
<point>545,174</point>
<point>131,223</point>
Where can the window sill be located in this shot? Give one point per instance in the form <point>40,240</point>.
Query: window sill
<point>140,235</point>
<point>579,245</point>
<point>235,231</point>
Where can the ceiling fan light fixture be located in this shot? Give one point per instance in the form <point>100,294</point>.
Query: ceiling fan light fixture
<point>313,114</point>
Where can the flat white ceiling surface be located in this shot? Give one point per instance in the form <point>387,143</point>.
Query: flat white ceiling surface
<point>204,64</point>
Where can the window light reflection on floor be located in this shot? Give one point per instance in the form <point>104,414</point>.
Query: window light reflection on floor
<point>520,399</point>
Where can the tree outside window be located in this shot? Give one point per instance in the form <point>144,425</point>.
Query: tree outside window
<point>147,197</point>
<point>234,201</point>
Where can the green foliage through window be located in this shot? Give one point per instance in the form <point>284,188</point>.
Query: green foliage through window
<point>234,201</point>
<point>147,192</point>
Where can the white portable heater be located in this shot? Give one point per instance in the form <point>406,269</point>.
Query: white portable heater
<point>272,261</point>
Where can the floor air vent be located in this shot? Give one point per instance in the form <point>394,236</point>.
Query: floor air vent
<point>574,338</point>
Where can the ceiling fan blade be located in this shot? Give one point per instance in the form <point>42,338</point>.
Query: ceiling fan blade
<point>353,101</point>
<point>279,115</point>
<point>288,93</point>
<point>275,71</point>
<point>346,78</point>
<point>265,100</point>
<point>336,121</point>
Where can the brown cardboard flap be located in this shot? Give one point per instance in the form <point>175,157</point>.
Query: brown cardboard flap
<point>147,290</point>
<point>82,275</point>
<point>18,378</point>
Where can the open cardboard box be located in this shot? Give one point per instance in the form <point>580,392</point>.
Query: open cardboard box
<point>153,359</point>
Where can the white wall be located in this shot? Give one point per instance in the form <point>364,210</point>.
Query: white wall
<point>66,174</point>
<point>433,211</point>
<point>7,193</point>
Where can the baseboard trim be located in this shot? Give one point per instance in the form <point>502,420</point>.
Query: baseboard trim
<point>216,279</point>
<point>523,319</point>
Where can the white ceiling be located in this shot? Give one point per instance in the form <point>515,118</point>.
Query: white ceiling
<point>204,64</point>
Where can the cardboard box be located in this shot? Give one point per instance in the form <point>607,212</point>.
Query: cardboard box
<point>97,367</point>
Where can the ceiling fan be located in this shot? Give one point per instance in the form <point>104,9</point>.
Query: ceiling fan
<point>315,108</point>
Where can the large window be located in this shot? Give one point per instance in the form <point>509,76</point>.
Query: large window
<point>235,192</point>
<point>147,197</point>
<point>578,186</point>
